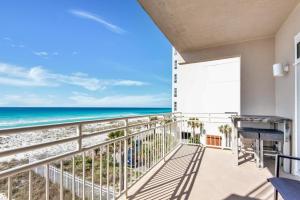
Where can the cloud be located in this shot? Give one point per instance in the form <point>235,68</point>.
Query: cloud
<point>98,19</point>
<point>156,100</point>
<point>40,77</point>
<point>41,53</point>
<point>74,53</point>
<point>128,83</point>
<point>26,100</point>
<point>7,38</point>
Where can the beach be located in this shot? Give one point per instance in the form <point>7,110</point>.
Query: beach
<point>23,139</point>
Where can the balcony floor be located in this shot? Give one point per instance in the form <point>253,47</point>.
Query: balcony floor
<point>194,172</point>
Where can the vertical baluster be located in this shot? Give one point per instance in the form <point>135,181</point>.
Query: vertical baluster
<point>83,175</point>
<point>155,146</point>
<point>47,181</point>
<point>30,185</point>
<point>9,188</point>
<point>140,154</point>
<point>143,153</point>
<point>73,177</point>
<point>114,173</point>
<point>146,156</point>
<point>120,166</point>
<point>158,145</point>
<point>163,141</point>
<point>148,152</point>
<point>135,158</point>
<point>100,172</point>
<point>131,156</point>
<point>125,158</point>
<point>93,178</point>
<point>107,171</point>
<point>151,148</point>
<point>61,188</point>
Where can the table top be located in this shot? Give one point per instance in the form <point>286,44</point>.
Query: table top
<point>260,130</point>
<point>259,118</point>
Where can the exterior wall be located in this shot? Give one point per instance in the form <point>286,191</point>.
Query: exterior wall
<point>285,53</point>
<point>285,86</point>
<point>209,87</point>
<point>257,82</point>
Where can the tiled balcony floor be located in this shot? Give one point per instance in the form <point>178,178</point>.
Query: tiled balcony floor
<point>194,172</point>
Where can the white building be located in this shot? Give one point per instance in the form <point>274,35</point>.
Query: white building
<point>206,87</point>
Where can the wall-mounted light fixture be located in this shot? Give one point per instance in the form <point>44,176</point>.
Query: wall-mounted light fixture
<point>280,70</point>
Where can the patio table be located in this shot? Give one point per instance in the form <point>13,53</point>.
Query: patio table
<point>278,126</point>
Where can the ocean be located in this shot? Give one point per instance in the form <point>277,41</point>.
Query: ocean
<point>12,117</point>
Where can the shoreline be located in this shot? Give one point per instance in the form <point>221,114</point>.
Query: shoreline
<point>17,117</point>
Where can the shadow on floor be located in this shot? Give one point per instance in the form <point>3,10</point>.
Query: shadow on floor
<point>255,194</point>
<point>176,177</point>
<point>238,197</point>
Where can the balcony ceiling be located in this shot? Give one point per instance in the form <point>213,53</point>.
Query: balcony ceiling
<point>197,24</point>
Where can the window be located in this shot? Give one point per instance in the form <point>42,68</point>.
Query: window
<point>175,106</point>
<point>175,78</point>
<point>175,64</point>
<point>175,92</point>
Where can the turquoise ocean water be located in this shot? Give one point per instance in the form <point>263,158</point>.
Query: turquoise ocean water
<point>11,117</point>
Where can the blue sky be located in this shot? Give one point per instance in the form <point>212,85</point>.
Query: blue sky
<point>82,53</point>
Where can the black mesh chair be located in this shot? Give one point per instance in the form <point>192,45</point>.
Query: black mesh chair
<point>289,189</point>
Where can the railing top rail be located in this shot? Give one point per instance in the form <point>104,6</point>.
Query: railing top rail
<point>68,124</point>
<point>208,113</point>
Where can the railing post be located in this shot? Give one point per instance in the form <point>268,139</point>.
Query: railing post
<point>125,158</point>
<point>79,133</point>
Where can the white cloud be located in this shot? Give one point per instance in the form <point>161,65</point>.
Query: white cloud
<point>128,83</point>
<point>157,100</point>
<point>26,100</point>
<point>38,77</point>
<point>98,19</point>
<point>7,38</point>
<point>41,53</point>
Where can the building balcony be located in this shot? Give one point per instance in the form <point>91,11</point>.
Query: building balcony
<point>164,156</point>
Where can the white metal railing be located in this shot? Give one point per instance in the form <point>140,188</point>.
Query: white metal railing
<point>98,167</point>
<point>97,159</point>
<point>204,129</point>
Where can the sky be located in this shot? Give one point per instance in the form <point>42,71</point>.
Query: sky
<point>105,53</point>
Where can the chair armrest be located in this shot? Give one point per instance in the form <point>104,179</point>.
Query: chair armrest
<point>277,163</point>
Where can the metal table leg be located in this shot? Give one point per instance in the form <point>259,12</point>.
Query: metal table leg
<point>257,152</point>
<point>261,153</point>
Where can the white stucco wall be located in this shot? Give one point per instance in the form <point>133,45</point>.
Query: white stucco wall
<point>209,87</point>
<point>285,86</point>
<point>284,53</point>
<point>257,81</point>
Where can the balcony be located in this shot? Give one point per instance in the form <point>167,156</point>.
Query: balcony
<point>195,172</point>
<point>135,157</point>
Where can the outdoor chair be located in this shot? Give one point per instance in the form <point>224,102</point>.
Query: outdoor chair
<point>289,189</point>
